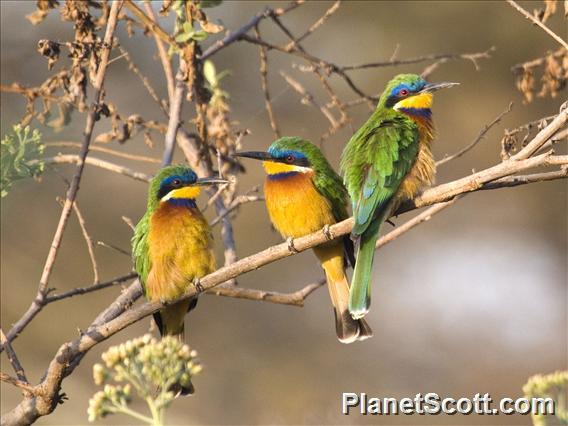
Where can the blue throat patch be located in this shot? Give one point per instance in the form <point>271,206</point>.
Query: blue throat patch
<point>283,175</point>
<point>418,112</point>
<point>183,202</point>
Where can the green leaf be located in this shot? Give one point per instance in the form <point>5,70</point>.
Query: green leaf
<point>20,156</point>
<point>199,35</point>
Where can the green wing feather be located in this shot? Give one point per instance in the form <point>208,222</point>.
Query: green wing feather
<point>140,249</point>
<point>375,162</point>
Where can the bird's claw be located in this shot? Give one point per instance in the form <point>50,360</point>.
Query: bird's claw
<point>327,232</point>
<point>390,222</point>
<point>198,286</point>
<point>291,247</point>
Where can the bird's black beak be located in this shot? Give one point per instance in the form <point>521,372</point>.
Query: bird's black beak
<point>210,181</point>
<point>256,155</point>
<point>433,87</point>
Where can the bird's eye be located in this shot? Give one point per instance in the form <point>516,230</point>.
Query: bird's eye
<point>403,92</point>
<point>176,182</point>
<point>290,158</point>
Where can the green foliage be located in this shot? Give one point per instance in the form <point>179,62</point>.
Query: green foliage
<point>187,32</point>
<point>148,366</point>
<point>219,97</point>
<point>555,386</point>
<point>20,155</point>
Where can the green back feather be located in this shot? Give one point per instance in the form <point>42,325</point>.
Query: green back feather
<point>376,160</point>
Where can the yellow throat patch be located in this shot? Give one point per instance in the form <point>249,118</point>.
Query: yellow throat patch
<point>420,101</point>
<point>274,168</point>
<point>190,192</point>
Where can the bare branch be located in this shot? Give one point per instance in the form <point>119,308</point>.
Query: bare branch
<point>473,57</point>
<point>538,23</point>
<point>89,241</point>
<point>25,386</point>
<point>174,117</point>
<point>231,37</point>
<point>478,138</point>
<point>334,7</point>
<point>106,151</point>
<point>264,83</point>
<point>89,289</point>
<point>13,358</point>
<point>75,159</point>
<point>162,52</point>
<point>38,302</point>
<point>151,24</point>
<point>296,298</point>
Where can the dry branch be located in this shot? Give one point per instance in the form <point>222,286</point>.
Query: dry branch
<point>38,302</point>
<point>538,23</point>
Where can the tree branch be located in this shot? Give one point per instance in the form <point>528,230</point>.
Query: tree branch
<point>538,23</point>
<point>38,302</point>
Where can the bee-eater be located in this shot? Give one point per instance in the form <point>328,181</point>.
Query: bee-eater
<point>303,194</point>
<point>385,162</point>
<point>172,244</point>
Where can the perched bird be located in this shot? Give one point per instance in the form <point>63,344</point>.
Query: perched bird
<point>385,162</point>
<point>303,194</point>
<point>172,244</point>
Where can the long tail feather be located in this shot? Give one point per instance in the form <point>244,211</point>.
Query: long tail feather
<point>348,330</point>
<point>170,322</point>
<point>360,292</point>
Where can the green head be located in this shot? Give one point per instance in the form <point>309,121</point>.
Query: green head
<point>178,185</point>
<point>289,155</point>
<point>410,92</point>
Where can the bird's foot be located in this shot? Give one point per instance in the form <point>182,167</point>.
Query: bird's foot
<point>390,222</point>
<point>291,247</point>
<point>327,232</point>
<point>198,286</point>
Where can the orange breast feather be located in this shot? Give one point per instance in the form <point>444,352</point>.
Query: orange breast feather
<point>295,207</point>
<point>180,251</point>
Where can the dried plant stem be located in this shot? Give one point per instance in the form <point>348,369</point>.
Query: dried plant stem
<point>38,302</point>
<point>13,358</point>
<point>538,23</point>
<point>265,89</point>
<point>106,151</point>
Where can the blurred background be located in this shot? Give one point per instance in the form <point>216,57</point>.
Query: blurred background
<point>473,301</point>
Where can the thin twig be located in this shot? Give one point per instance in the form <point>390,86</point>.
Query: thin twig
<point>264,83</point>
<point>89,289</point>
<point>113,247</point>
<point>308,98</point>
<point>25,386</point>
<point>334,7</point>
<point>538,23</point>
<point>37,304</point>
<point>233,36</point>
<point>149,23</point>
<point>106,151</point>
<point>477,139</point>
<point>132,66</point>
<point>237,202</point>
<point>89,241</point>
<point>97,162</point>
<point>296,298</point>
<point>163,54</point>
<point>13,358</point>
<point>174,118</point>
